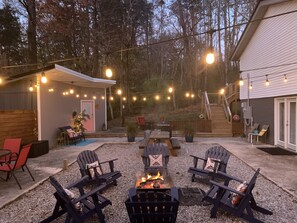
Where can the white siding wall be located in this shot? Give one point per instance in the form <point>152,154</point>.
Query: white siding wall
<point>273,44</point>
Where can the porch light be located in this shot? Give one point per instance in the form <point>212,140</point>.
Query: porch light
<point>285,78</point>
<point>267,81</point>
<point>43,78</point>
<point>108,72</point>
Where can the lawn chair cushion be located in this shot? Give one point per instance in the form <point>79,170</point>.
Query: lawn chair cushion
<point>71,133</point>
<point>92,167</point>
<point>237,197</point>
<point>156,160</point>
<point>210,164</point>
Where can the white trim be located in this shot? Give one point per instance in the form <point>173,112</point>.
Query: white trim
<point>105,118</point>
<point>39,113</point>
<point>83,76</point>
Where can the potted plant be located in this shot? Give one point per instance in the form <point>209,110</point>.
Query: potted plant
<point>189,133</point>
<point>131,132</point>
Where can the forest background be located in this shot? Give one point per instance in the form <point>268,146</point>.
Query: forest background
<point>150,45</point>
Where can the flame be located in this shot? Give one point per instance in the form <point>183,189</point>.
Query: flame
<point>150,177</point>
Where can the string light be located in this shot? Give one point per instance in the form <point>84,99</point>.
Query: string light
<point>285,78</point>
<point>267,81</point>
<point>77,95</point>
<point>31,86</point>
<point>43,77</point>
<point>144,99</point>
<point>251,86</point>
<point>241,81</point>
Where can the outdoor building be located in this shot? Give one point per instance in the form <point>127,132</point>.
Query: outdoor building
<point>52,103</point>
<point>267,52</point>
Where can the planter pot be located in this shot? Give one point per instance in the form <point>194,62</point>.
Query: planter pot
<point>38,148</point>
<point>189,138</point>
<point>131,138</point>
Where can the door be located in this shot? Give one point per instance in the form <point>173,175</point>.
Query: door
<point>286,122</point>
<point>89,107</point>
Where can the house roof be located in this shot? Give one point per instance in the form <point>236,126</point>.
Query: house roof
<point>62,74</point>
<point>252,26</point>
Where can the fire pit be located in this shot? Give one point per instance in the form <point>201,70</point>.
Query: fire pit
<point>148,181</point>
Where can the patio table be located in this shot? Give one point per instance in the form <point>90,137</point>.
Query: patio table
<point>162,137</point>
<point>4,153</point>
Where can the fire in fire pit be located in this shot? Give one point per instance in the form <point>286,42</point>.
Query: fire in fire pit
<point>151,181</point>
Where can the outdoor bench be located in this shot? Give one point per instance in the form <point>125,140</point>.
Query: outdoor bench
<point>70,136</point>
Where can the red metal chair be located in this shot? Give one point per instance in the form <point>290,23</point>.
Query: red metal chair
<point>20,163</point>
<point>14,146</point>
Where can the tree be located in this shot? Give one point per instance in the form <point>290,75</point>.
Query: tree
<point>10,36</point>
<point>30,7</point>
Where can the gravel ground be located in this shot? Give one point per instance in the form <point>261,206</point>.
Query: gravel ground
<point>38,203</point>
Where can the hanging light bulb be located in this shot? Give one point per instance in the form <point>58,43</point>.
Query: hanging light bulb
<point>31,86</point>
<point>285,78</point>
<point>251,86</point>
<point>267,81</point>
<point>241,83</point>
<point>108,73</point>
<point>43,77</point>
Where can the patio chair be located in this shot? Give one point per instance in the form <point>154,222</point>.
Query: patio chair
<point>253,129</point>
<point>90,166</point>
<point>261,134</point>
<point>142,124</point>
<point>239,201</point>
<point>149,206</point>
<point>155,158</point>
<point>216,159</point>
<point>20,163</point>
<point>14,145</point>
<point>78,209</point>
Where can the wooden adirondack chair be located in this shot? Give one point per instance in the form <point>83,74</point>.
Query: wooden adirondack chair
<point>149,206</point>
<point>218,156</point>
<point>151,151</point>
<point>95,172</point>
<point>78,209</point>
<point>238,202</point>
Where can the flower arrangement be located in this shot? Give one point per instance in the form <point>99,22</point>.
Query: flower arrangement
<point>78,120</point>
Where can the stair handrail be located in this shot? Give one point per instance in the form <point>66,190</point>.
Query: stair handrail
<point>207,106</point>
<point>226,107</point>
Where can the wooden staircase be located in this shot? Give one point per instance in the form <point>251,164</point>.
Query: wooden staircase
<point>219,124</point>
